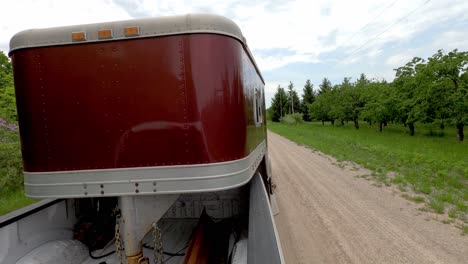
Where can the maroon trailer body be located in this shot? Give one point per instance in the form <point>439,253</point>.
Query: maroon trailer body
<point>153,99</point>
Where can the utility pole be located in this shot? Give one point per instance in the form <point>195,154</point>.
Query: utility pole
<point>281,105</point>
<point>292,102</point>
<point>290,87</point>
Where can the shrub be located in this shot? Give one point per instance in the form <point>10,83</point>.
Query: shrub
<point>292,119</point>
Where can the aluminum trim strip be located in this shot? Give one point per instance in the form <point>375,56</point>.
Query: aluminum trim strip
<point>144,180</point>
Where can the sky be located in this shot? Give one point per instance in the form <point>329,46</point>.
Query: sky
<point>292,41</point>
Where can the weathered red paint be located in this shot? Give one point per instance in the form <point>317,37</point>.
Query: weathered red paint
<point>183,99</point>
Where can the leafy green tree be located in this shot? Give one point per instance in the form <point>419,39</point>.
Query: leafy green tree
<point>6,72</point>
<point>7,92</point>
<point>406,86</point>
<point>338,103</point>
<point>321,108</point>
<point>8,104</point>
<point>357,100</point>
<point>446,95</point>
<point>380,105</point>
<point>345,102</point>
<point>308,97</point>
<point>279,104</point>
<point>434,91</point>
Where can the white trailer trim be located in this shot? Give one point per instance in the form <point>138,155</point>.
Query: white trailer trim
<point>144,180</point>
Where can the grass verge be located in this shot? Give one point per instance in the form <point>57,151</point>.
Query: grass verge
<point>11,173</point>
<point>433,167</point>
<point>14,200</point>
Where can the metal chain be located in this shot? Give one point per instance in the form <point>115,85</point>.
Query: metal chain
<point>118,242</point>
<point>157,244</point>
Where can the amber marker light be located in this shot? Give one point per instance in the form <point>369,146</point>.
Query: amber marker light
<point>104,34</point>
<point>132,31</point>
<point>79,36</point>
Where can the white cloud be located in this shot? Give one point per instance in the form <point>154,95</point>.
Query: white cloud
<point>400,22</point>
<point>451,40</point>
<point>19,15</point>
<point>398,60</point>
<point>272,62</point>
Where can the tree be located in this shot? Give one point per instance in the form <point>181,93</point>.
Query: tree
<point>406,85</point>
<point>338,103</point>
<point>448,94</point>
<point>345,102</point>
<point>434,91</point>
<point>308,97</point>
<point>7,92</point>
<point>357,99</point>
<point>321,109</point>
<point>279,104</point>
<point>325,86</point>
<point>6,72</point>
<point>294,104</point>
<point>380,105</point>
<point>8,104</point>
<point>363,81</point>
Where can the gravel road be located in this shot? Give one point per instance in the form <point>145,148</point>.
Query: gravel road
<point>329,215</point>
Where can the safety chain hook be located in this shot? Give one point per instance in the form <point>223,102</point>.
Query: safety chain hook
<point>157,245</point>
<point>118,241</point>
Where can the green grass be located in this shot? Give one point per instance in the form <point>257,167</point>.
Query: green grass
<point>465,230</point>
<point>437,206</point>
<point>14,200</point>
<point>416,199</point>
<point>433,166</point>
<point>11,176</point>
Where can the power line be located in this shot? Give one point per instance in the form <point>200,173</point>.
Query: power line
<point>388,28</point>
<point>372,20</point>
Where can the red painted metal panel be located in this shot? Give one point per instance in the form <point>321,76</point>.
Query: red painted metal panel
<point>184,99</point>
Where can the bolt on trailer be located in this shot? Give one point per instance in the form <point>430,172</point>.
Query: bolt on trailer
<point>146,140</point>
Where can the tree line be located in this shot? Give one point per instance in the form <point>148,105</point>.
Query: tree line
<point>432,90</point>
<point>7,91</point>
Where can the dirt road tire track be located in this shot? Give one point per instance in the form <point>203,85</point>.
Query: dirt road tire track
<point>328,215</point>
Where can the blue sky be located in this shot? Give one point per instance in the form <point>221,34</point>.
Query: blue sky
<point>291,40</point>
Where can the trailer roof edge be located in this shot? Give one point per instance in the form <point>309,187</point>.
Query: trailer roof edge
<point>147,27</point>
